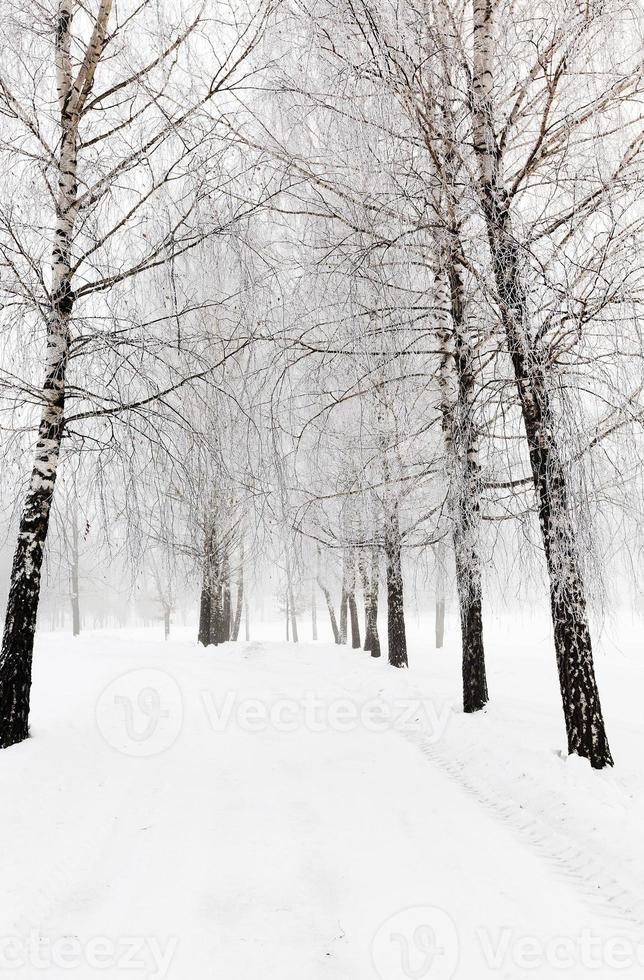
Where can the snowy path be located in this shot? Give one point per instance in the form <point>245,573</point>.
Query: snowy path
<point>236,831</point>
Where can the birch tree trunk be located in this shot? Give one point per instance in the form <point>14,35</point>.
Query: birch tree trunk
<point>366,594</point>
<point>396,633</point>
<point>344,600</point>
<point>166,622</point>
<point>581,705</point>
<point>329,602</point>
<point>240,595</point>
<point>372,611</point>
<point>206,605</point>
<point>291,605</point>
<point>351,600</point>
<point>205,613</point>
<point>463,484</point>
<point>24,589</point>
<point>331,611</point>
<point>214,606</point>
<point>355,625</point>
<point>224,622</point>
<point>288,617</point>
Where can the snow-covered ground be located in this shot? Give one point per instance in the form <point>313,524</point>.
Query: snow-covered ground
<point>304,812</point>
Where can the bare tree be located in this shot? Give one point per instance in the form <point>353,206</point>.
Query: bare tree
<point>132,136</point>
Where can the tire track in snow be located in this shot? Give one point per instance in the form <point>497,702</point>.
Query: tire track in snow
<point>618,904</point>
<point>606,895</point>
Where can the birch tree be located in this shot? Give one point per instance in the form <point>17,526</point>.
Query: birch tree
<point>517,90</point>
<point>497,193</point>
<point>112,159</point>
